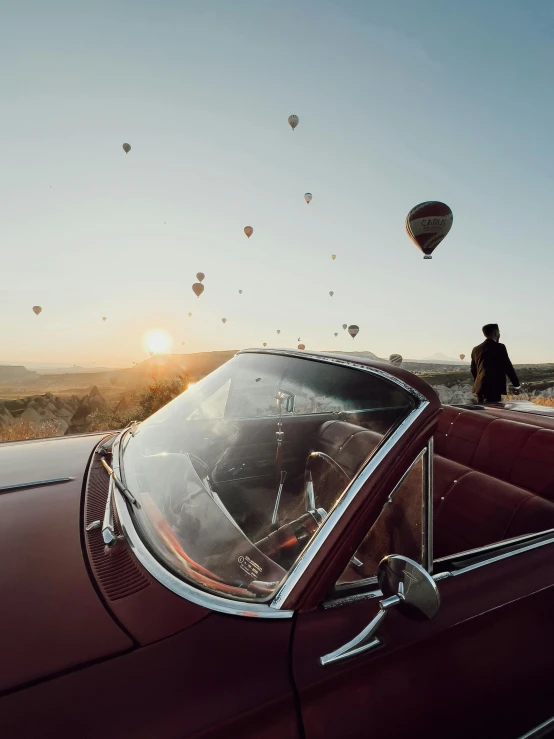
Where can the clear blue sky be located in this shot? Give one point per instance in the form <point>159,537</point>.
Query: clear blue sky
<point>399,102</point>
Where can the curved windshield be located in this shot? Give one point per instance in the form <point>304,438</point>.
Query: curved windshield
<point>236,475</point>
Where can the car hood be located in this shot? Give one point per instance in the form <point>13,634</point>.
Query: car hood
<point>51,618</point>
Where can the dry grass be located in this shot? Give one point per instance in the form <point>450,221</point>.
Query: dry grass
<point>21,429</point>
<point>544,401</point>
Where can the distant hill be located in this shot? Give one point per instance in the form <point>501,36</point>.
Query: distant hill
<point>16,375</point>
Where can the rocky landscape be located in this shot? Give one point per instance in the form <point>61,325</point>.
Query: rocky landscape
<point>42,405</point>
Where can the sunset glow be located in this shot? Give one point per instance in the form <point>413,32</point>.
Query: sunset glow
<point>158,342</point>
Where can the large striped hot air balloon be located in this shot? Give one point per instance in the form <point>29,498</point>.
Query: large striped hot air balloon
<point>353,330</point>
<point>427,224</point>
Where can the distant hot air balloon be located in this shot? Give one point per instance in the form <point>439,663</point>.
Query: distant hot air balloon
<point>248,230</point>
<point>395,359</point>
<point>462,357</point>
<point>331,293</point>
<point>223,320</point>
<point>37,309</point>
<point>299,339</point>
<point>265,343</point>
<point>127,148</point>
<point>190,315</point>
<point>198,289</point>
<point>240,292</point>
<point>427,224</point>
<point>308,197</point>
<point>336,336</point>
<point>301,346</point>
<point>353,330</point>
<point>293,121</point>
<point>104,318</point>
<point>278,330</point>
<point>333,256</point>
<point>344,326</point>
<point>200,276</point>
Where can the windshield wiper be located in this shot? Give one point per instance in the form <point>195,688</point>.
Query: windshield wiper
<point>108,526</point>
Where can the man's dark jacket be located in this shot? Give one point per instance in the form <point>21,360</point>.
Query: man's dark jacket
<point>489,366</point>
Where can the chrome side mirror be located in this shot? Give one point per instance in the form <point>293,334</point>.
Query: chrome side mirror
<point>406,585</point>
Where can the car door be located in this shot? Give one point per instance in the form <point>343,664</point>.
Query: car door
<point>481,668</point>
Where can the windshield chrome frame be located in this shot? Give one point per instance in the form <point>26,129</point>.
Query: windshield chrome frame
<point>272,608</point>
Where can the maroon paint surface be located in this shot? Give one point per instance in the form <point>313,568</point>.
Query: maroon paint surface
<point>482,668</point>
<point>223,677</point>
<point>51,618</point>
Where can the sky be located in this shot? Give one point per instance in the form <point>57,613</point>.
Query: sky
<point>399,102</point>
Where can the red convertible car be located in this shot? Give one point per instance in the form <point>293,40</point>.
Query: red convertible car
<point>299,545</point>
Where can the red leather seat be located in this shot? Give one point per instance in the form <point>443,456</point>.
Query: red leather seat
<point>534,467</point>
<point>495,481</point>
<point>346,443</point>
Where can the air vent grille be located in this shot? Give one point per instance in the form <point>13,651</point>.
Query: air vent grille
<point>116,571</point>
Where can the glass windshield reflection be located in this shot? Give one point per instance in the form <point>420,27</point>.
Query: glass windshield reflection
<point>236,475</point>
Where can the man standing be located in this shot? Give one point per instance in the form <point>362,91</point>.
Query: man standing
<point>489,366</point>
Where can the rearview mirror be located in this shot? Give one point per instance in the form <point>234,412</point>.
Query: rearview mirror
<point>406,585</point>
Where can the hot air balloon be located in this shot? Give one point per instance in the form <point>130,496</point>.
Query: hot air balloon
<point>198,289</point>
<point>248,230</point>
<point>462,357</point>
<point>344,326</point>
<point>223,320</point>
<point>331,293</point>
<point>336,336</point>
<point>37,309</point>
<point>308,197</point>
<point>240,292</point>
<point>299,339</point>
<point>200,276</point>
<point>293,121</point>
<point>265,343</point>
<point>427,224</point>
<point>127,148</point>
<point>104,318</point>
<point>395,359</point>
<point>190,315</point>
<point>278,330</point>
<point>301,346</point>
<point>353,330</point>
<point>333,256</point>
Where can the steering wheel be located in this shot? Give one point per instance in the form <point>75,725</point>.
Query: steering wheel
<point>309,491</point>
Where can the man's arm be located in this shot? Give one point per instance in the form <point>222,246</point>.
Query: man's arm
<point>473,366</point>
<point>509,368</point>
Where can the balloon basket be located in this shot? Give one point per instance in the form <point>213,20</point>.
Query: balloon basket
<point>428,256</point>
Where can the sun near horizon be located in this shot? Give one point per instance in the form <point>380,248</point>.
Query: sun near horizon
<point>158,342</point>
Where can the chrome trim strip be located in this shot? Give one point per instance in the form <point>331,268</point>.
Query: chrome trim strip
<point>543,729</point>
<point>336,514</point>
<point>180,587</point>
<point>427,557</point>
<point>347,600</point>
<point>492,547</point>
<point>492,560</point>
<point>36,484</point>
